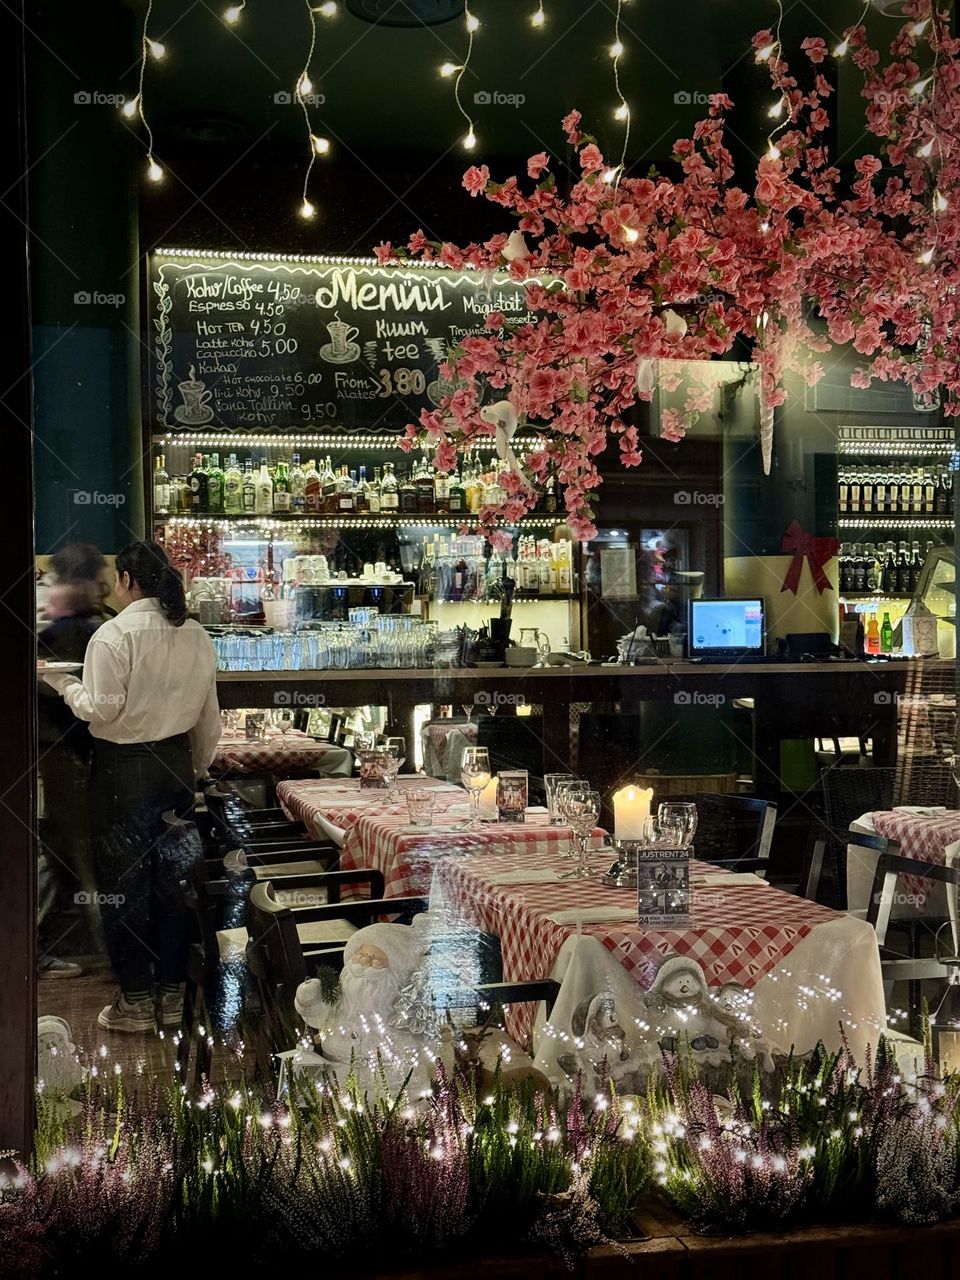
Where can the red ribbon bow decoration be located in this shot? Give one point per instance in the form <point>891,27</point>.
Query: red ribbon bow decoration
<point>817,552</point>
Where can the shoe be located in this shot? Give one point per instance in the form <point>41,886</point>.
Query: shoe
<point>126,1015</point>
<point>54,967</point>
<point>170,1009</point>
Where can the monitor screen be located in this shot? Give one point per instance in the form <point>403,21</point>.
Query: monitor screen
<point>725,626</point>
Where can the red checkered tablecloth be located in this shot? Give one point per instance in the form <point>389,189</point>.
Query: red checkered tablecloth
<point>921,836</point>
<point>408,858</point>
<point>342,802</point>
<point>238,754</point>
<point>740,931</point>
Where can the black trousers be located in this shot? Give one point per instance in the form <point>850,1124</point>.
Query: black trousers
<point>139,865</point>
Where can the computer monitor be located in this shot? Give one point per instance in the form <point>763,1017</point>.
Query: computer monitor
<point>725,628</point>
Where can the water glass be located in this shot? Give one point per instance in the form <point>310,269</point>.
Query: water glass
<point>565,791</point>
<point>551,782</point>
<point>677,821</point>
<point>420,803</point>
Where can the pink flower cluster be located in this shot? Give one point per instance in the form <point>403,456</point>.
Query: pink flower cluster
<point>626,277</point>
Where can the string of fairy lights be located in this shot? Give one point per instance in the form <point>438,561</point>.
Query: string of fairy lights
<point>153,50</point>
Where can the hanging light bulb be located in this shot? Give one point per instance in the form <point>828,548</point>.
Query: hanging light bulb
<point>328,8</point>
<point>320,145</point>
<point>449,69</point>
<point>926,257</point>
<point>776,111</point>
<point>773,151</point>
<point>304,85</point>
<point>764,226</point>
<point>307,210</point>
<point>130,107</point>
<point>621,112</point>
<point>469,140</point>
<point>764,54</point>
<point>926,150</point>
<point>920,85</point>
<point>539,18</point>
<point>610,175</point>
<point>631,234</point>
<point>154,172</point>
<point>473,23</point>
<point>919,28</point>
<point>841,50</point>
<point>158,49</point>
<point>616,49</point>
<point>940,202</point>
<point>232,14</point>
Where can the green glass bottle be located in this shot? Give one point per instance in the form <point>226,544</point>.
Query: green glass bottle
<point>886,635</point>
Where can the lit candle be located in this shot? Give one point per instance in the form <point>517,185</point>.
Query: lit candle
<point>488,798</point>
<point>631,810</point>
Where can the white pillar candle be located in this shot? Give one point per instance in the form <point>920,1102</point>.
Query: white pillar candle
<point>631,810</point>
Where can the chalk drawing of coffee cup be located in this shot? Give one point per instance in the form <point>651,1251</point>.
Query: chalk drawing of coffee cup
<point>195,409</point>
<point>341,346</point>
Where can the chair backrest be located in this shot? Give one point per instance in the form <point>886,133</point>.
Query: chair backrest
<point>733,829</point>
<point>890,867</point>
<point>848,793</point>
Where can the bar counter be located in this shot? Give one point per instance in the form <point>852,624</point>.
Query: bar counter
<point>791,699</point>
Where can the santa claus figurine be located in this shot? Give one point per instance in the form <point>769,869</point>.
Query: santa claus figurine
<point>382,1017</point>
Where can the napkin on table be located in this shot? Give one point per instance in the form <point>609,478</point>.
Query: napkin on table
<point>594,915</point>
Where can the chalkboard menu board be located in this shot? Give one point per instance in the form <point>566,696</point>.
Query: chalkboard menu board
<point>267,343</point>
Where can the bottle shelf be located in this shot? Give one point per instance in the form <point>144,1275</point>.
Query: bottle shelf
<point>877,596</point>
<point>296,438</point>
<point>867,520</point>
<point>280,520</point>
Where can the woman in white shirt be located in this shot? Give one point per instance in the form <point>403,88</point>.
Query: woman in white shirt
<point>149,694</point>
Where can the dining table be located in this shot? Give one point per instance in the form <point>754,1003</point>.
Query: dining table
<point>805,967</point>
<point>275,752</point>
<point>924,833</point>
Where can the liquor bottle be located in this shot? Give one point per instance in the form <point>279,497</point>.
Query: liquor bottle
<point>843,559</point>
<point>859,569</point>
<point>940,498</point>
<point>373,493</point>
<point>233,487</point>
<point>423,481</point>
<point>929,493</point>
<point>563,568</point>
<point>473,485</point>
<point>855,492</point>
<point>161,487</point>
<point>329,488</point>
<point>550,501</point>
<point>264,498</point>
<point>916,568</point>
<point>493,491</point>
<point>873,568</point>
<point>843,502</point>
<point>249,490</point>
<point>361,493</point>
<point>346,501</point>
<point>281,490</point>
<point>893,494</point>
<point>886,635</point>
<point>408,495</point>
<point>441,492</point>
<point>456,497</point>
<point>215,486</point>
<point>198,485</point>
<point>427,576</point>
<point>389,491</point>
<point>545,567</point>
<point>184,495</point>
<point>917,495</point>
<point>903,570</point>
<point>312,497</point>
<point>459,572</point>
<point>890,578</point>
<point>866,491</point>
<point>297,482</point>
<point>871,642</point>
<point>880,494</point>
<point>906,495</point>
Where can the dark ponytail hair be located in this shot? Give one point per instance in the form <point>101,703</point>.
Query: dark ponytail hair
<point>152,572</point>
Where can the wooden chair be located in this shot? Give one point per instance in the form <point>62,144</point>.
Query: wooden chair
<point>896,967</point>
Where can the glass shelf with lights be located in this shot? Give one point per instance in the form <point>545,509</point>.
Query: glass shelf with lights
<point>280,521</point>
<point>868,521</point>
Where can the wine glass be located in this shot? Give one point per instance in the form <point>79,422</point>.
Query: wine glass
<point>284,723</point>
<point>475,775</point>
<point>551,781</point>
<point>583,813</point>
<point>467,709</point>
<point>564,792</point>
<point>677,820</point>
<point>397,746</point>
